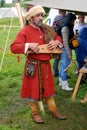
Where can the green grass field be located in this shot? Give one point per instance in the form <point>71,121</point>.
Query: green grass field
<point>14,111</point>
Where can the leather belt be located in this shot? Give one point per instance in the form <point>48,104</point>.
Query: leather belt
<point>40,75</point>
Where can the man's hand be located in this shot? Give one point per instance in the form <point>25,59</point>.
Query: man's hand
<point>52,45</point>
<point>34,47</point>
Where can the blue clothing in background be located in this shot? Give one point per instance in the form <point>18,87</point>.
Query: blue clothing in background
<point>65,61</point>
<point>81,51</point>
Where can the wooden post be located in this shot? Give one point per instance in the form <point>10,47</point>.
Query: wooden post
<point>76,86</point>
<point>82,71</point>
<point>19,14</point>
<point>41,106</point>
<point>22,24</point>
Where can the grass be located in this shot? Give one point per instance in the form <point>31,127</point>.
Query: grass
<point>15,112</point>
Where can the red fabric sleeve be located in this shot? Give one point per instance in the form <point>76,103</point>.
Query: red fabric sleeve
<point>18,44</point>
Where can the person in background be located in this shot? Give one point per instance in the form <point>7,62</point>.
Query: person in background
<point>81,51</point>
<point>77,27</point>
<point>66,56</point>
<point>38,83</point>
<point>57,19</point>
<point>80,24</point>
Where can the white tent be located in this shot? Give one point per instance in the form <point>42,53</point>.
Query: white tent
<point>71,5</point>
<point>10,12</point>
<point>51,16</point>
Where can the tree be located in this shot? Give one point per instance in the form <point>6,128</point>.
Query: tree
<point>2,3</point>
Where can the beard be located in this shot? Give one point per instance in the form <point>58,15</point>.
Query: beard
<point>37,23</point>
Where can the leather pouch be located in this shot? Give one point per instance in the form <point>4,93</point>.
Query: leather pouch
<point>30,69</point>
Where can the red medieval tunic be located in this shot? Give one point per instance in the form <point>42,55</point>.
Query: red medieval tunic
<point>31,85</point>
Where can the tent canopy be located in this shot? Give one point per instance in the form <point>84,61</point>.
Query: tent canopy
<point>10,12</point>
<point>68,5</point>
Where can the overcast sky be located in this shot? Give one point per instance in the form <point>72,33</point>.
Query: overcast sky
<point>8,1</point>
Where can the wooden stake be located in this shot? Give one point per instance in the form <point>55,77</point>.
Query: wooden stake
<point>82,71</point>
<point>76,87</point>
<point>20,14</point>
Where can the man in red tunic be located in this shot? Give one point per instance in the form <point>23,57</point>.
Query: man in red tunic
<point>38,82</point>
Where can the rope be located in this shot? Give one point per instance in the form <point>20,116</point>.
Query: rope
<point>6,44</point>
<point>9,53</point>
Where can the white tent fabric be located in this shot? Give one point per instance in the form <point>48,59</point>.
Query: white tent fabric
<point>51,16</point>
<point>10,12</point>
<point>71,5</point>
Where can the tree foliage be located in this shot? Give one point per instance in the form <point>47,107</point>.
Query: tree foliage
<point>2,3</point>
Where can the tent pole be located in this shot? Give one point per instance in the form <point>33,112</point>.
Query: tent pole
<point>19,14</point>
<point>6,44</point>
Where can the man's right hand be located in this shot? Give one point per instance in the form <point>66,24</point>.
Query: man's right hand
<point>34,47</point>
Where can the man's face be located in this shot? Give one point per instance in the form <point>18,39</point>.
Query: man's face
<point>37,20</point>
<point>81,18</point>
